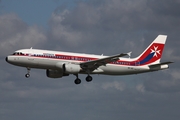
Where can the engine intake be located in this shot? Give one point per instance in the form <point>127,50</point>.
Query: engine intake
<point>55,73</point>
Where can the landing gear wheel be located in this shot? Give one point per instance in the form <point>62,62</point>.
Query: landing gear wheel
<point>77,81</point>
<point>89,78</point>
<point>28,71</point>
<point>27,75</point>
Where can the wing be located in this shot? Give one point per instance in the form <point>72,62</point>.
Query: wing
<point>94,64</point>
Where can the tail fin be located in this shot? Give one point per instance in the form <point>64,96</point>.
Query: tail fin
<point>153,53</point>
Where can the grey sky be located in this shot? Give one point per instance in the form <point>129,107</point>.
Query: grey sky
<point>92,26</point>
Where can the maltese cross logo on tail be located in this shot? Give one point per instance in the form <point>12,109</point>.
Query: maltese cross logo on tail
<point>155,51</point>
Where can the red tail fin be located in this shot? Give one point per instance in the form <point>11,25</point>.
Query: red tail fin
<point>153,53</point>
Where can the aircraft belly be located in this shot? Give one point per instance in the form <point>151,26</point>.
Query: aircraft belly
<point>113,70</point>
<point>45,63</point>
<point>123,70</point>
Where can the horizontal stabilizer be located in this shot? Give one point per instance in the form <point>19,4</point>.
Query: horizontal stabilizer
<point>156,65</point>
<point>159,66</point>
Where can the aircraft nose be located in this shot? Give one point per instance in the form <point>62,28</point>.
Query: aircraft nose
<point>6,59</point>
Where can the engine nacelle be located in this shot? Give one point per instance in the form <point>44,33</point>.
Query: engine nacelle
<point>55,73</point>
<point>68,68</point>
<point>72,68</point>
<point>60,65</point>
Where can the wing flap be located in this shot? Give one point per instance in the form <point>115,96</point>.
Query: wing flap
<point>94,64</point>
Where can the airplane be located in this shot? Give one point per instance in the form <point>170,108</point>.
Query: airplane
<point>59,64</point>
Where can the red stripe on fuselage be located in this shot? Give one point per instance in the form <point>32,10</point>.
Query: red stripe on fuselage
<point>79,59</point>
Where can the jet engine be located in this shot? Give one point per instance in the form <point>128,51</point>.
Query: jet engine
<point>55,73</point>
<point>68,68</point>
<point>72,68</point>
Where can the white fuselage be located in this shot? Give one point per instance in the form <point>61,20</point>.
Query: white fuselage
<point>59,64</point>
<point>44,59</point>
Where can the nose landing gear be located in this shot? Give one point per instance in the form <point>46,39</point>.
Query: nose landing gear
<point>28,73</point>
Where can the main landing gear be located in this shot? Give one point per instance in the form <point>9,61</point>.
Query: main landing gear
<point>28,73</point>
<point>78,81</point>
<point>89,78</point>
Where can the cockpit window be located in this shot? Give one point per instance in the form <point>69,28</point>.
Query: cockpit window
<point>21,53</point>
<point>18,53</point>
<point>14,53</point>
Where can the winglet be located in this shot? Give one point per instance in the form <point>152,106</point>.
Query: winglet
<point>129,54</point>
